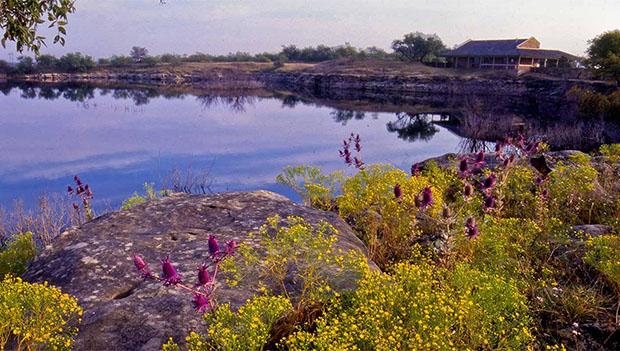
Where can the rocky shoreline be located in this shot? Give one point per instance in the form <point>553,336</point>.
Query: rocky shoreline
<point>331,82</point>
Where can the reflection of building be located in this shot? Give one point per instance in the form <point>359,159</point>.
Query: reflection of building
<point>519,55</point>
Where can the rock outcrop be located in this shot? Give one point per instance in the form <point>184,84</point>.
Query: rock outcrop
<point>122,311</point>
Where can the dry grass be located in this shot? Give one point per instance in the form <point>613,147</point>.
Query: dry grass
<point>47,220</point>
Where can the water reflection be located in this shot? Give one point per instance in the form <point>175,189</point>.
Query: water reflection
<point>244,138</point>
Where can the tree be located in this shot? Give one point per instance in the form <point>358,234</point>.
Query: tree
<point>25,65</point>
<point>46,62</point>
<point>5,67</point>
<point>418,47</point>
<point>20,21</point>
<point>604,54</point>
<point>138,53</point>
<point>76,62</point>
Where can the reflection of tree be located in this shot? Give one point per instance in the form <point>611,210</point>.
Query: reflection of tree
<point>472,145</point>
<point>139,96</point>
<point>79,94</point>
<point>236,103</point>
<point>290,101</point>
<point>412,127</point>
<point>344,116</point>
<point>5,89</point>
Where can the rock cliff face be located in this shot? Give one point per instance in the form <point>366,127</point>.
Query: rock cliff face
<point>328,83</point>
<point>125,312</point>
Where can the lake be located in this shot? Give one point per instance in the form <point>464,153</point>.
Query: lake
<point>116,139</point>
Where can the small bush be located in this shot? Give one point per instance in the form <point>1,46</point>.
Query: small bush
<point>422,307</point>
<point>611,152</point>
<point>386,224</point>
<point>36,316</point>
<point>247,329</point>
<point>296,260</point>
<point>316,189</point>
<point>604,255</point>
<point>15,258</point>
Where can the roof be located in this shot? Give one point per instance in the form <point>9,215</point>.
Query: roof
<point>503,47</point>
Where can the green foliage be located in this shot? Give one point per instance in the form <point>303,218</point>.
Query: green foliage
<point>136,199</point>
<point>316,189</point>
<point>37,316</point>
<point>296,260</point>
<point>573,187</point>
<point>15,257</point>
<point>20,21</point>
<point>247,329</point>
<point>76,62</point>
<point>604,255</point>
<point>604,54</point>
<point>418,47</point>
<point>423,307</point>
<point>611,152</point>
<point>25,65</point>
<point>519,195</point>
<point>121,61</point>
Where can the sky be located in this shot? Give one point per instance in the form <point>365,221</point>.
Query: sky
<point>103,28</point>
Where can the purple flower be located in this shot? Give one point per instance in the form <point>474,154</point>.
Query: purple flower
<point>358,146</point>
<point>204,277</point>
<point>398,192</point>
<point>231,245</point>
<point>468,190</point>
<point>201,304</point>
<point>77,180</point>
<point>358,162</point>
<point>141,265</point>
<point>214,247</point>
<point>169,274</point>
<point>545,193</point>
<point>471,229</point>
<point>463,166</point>
<point>480,157</point>
<point>427,197</point>
<point>489,202</point>
<point>489,182</point>
<point>415,170</point>
<point>540,181</point>
<point>70,190</point>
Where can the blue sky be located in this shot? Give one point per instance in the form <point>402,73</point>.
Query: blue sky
<point>106,27</point>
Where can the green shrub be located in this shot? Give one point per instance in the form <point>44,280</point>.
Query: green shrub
<point>386,225</point>
<point>423,307</point>
<point>611,152</point>
<point>247,329</point>
<point>572,193</point>
<point>15,258</point>
<point>136,199</point>
<point>316,189</point>
<point>36,316</point>
<point>604,255</point>
<point>519,197</point>
<point>297,260</point>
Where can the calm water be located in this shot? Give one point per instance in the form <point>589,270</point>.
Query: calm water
<point>116,140</point>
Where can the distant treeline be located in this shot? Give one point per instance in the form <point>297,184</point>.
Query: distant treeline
<point>413,47</point>
<point>78,62</point>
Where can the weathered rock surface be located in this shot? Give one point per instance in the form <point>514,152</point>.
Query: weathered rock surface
<point>125,312</point>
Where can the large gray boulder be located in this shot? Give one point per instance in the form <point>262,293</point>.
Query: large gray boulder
<point>122,311</point>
